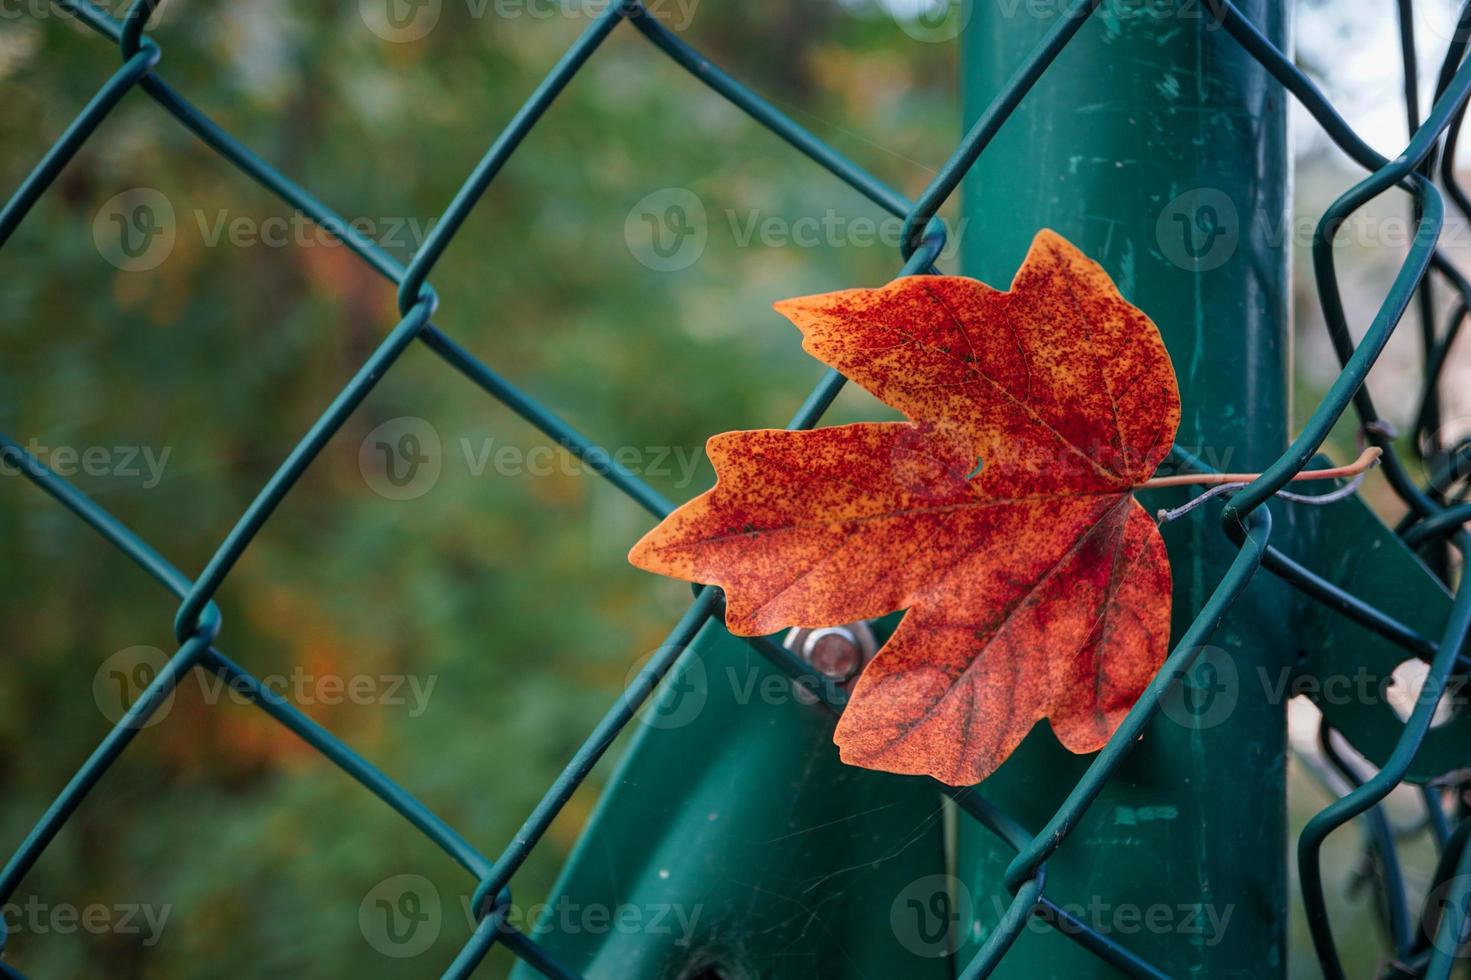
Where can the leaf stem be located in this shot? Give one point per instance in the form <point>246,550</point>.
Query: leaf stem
<point>1369,457</point>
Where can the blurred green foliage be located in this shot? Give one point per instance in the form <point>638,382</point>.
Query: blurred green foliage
<point>509,591</point>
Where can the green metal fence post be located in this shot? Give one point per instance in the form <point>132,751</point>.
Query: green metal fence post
<point>1159,147</point>
<point>734,844</point>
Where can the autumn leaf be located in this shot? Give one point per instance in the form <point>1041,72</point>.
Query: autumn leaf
<point>1001,516</point>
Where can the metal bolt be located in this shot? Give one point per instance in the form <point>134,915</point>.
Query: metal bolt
<point>837,652</point>
<point>834,652</point>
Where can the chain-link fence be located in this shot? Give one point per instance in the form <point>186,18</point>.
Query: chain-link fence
<point>1436,511</point>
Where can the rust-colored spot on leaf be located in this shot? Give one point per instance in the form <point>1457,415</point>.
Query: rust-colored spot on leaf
<point>1036,586</point>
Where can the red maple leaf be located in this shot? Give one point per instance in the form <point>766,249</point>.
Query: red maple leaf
<point>1001,516</point>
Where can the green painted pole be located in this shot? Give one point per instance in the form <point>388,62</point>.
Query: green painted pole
<point>1160,148</point>
<point>731,844</point>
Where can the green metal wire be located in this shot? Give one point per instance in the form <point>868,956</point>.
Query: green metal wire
<point>1245,519</point>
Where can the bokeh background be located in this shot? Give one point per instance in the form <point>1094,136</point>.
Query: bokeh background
<point>494,589</point>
